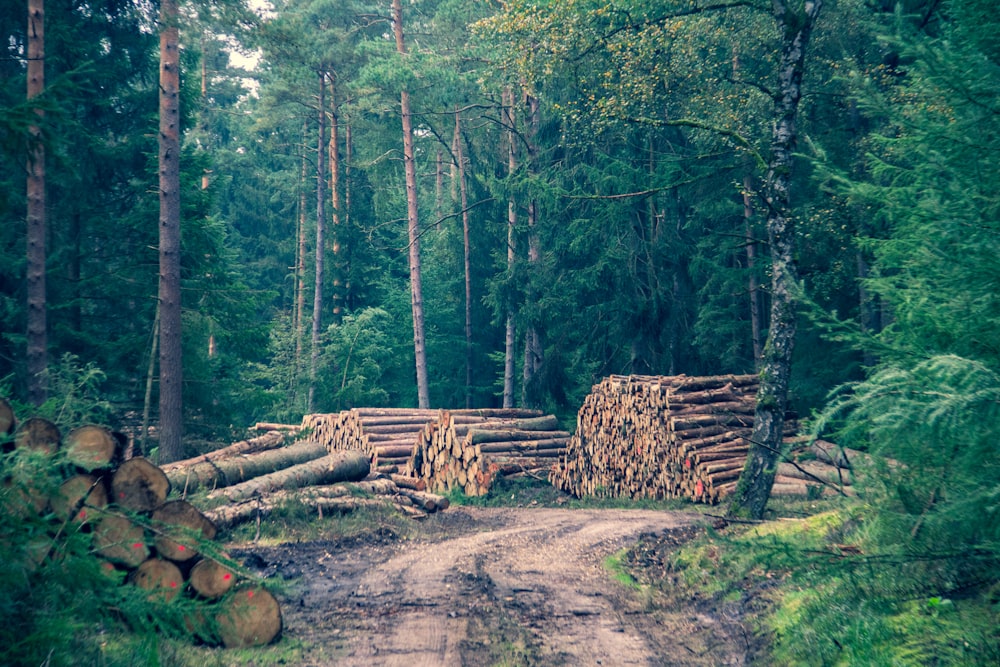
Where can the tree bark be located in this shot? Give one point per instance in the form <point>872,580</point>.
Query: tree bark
<point>508,370</point>
<point>300,273</point>
<point>752,285</point>
<point>37,337</point>
<point>336,218</point>
<point>7,419</point>
<point>467,253</point>
<point>171,366</point>
<point>534,353</point>
<point>752,492</point>
<point>413,224</point>
<point>317,314</point>
<point>338,296</point>
<point>240,468</point>
<point>339,466</point>
<point>272,439</point>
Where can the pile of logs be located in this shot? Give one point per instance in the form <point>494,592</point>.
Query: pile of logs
<point>165,545</point>
<point>386,435</point>
<point>442,449</point>
<point>667,437</point>
<point>469,449</point>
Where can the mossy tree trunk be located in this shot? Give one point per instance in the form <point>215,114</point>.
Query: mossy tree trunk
<point>795,24</point>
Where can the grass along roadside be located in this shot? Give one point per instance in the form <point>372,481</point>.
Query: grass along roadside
<point>815,589</point>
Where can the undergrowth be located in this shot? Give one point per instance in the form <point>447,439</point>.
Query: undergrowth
<point>818,590</point>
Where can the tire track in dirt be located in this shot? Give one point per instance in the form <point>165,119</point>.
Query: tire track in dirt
<point>426,603</point>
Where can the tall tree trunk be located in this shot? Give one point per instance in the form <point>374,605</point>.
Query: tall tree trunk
<point>317,314</point>
<point>300,270</point>
<point>439,187</point>
<point>751,495</point>
<point>534,353</point>
<point>348,156</point>
<point>143,446</point>
<point>755,305</point>
<point>37,330</point>
<point>171,367</point>
<point>508,368</point>
<point>336,217</point>
<point>413,221</point>
<point>467,252</point>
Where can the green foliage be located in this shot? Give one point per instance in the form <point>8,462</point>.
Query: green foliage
<point>76,394</point>
<point>354,357</point>
<point>821,597</point>
<point>937,423</point>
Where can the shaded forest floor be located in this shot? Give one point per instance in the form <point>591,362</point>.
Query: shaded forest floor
<point>498,586</point>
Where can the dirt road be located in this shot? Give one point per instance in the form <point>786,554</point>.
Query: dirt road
<point>510,586</point>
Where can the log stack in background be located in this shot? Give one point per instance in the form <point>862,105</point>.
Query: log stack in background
<point>664,437</point>
<point>442,449</point>
<point>386,435</point>
<point>468,449</point>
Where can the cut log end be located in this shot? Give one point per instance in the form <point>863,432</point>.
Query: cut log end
<point>139,485</point>
<point>7,419</point>
<point>92,447</point>
<point>211,579</point>
<point>181,526</point>
<point>161,578</point>
<point>250,616</point>
<point>39,434</point>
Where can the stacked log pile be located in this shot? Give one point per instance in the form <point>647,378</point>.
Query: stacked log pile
<point>664,437</point>
<point>468,449</point>
<point>442,449</point>
<point>162,545</point>
<point>386,435</point>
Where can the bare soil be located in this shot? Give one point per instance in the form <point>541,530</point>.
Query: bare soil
<point>495,586</point>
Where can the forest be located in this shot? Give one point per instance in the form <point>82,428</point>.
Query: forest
<point>217,213</point>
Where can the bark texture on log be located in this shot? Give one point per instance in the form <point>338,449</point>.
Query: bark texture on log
<point>339,498</point>
<point>342,466</point>
<point>268,441</point>
<point>240,468</point>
